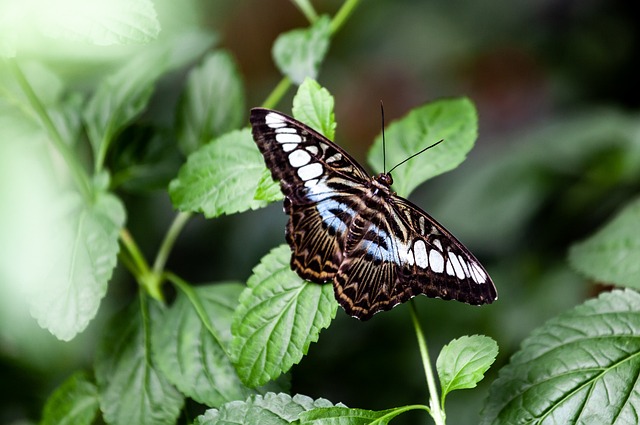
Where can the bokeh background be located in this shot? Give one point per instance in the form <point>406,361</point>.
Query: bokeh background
<point>556,88</point>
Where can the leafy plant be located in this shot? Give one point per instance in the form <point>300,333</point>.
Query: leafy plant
<point>230,346</point>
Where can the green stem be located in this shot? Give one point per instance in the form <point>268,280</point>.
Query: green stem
<point>169,240</point>
<point>80,176</point>
<point>436,412</point>
<point>307,9</point>
<point>138,266</point>
<point>341,17</point>
<point>277,93</point>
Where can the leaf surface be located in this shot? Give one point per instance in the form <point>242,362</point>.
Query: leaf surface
<point>279,316</point>
<point>580,367</point>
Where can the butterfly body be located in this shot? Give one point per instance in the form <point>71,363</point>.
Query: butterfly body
<point>376,247</point>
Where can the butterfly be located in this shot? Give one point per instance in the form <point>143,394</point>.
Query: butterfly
<point>377,248</point>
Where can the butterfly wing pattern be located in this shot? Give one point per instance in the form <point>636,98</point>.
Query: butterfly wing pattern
<point>378,248</point>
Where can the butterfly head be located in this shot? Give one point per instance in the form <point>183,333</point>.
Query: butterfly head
<point>382,184</point>
<point>384,179</point>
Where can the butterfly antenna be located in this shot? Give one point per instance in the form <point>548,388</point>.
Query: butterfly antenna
<point>414,155</point>
<point>384,150</point>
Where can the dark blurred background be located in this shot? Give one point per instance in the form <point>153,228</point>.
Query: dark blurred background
<point>556,89</point>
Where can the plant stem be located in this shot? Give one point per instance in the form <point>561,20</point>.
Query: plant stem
<point>434,400</point>
<point>307,9</point>
<point>277,93</point>
<point>169,239</point>
<point>80,176</point>
<point>341,17</point>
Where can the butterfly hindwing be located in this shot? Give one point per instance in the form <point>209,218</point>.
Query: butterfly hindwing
<point>378,248</point>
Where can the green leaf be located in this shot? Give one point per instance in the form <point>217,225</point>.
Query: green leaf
<point>121,97</point>
<point>271,409</point>
<point>345,416</point>
<point>132,389</point>
<point>452,120</point>
<point>75,402</point>
<point>83,253</point>
<point>190,345</point>
<point>299,53</point>
<point>463,362</point>
<point>313,105</point>
<point>212,104</point>
<point>279,316</point>
<point>580,367</point>
<point>612,254</point>
<point>100,22</point>
<point>268,190</point>
<point>221,177</point>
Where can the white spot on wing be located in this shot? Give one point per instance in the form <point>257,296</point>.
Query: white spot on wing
<point>335,157</point>
<point>456,265</point>
<point>436,260</point>
<point>420,253</point>
<point>311,183</point>
<point>299,157</point>
<point>478,274</point>
<point>274,120</point>
<point>286,130</point>
<point>288,147</point>
<point>449,267</point>
<point>310,171</point>
<point>437,243</point>
<point>465,266</point>
<point>288,138</point>
<point>313,150</point>
<point>409,257</point>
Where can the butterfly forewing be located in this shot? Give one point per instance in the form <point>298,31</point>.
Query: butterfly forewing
<point>319,181</point>
<point>378,248</point>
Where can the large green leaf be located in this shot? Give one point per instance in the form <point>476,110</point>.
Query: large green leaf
<point>75,402</point>
<point>279,316</point>
<point>132,389</point>
<point>612,255</point>
<point>83,250</point>
<point>271,409</point>
<point>580,367</point>
<point>221,177</point>
<point>299,53</point>
<point>454,121</point>
<point>191,343</point>
<point>212,103</point>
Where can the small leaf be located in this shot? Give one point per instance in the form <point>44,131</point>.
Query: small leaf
<point>75,402</point>
<point>99,22</point>
<point>299,53</point>
<point>611,255</point>
<point>83,253</point>
<point>191,350</point>
<point>580,367</point>
<point>221,177</point>
<point>313,105</point>
<point>268,190</point>
<point>132,389</point>
<point>212,103</point>
<point>279,316</point>
<point>346,416</point>
<point>272,409</point>
<point>454,121</point>
<point>463,362</point>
